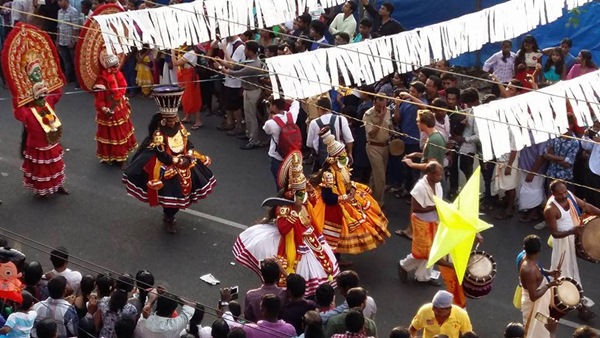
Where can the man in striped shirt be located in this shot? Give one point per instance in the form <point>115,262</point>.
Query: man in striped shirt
<point>69,22</point>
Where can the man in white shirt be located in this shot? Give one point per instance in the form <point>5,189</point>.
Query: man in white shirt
<point>60,260</point>
<point>231,98</point>
<point>21,11</point>
<point>271,127</point>
<point>161,324</point>
<point>345,21</point>
<point>338,125</point>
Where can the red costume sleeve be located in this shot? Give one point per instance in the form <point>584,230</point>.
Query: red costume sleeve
<point>101,95</point>
<point>286,223</point>
<point>54,97</point>
<point>21,113</point>
<point>122,84</point>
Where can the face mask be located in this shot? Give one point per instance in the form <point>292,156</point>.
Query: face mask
<point>300,195</point>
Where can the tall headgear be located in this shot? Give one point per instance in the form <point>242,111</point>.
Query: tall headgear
<point>334,147</point>
<point>168,99</point>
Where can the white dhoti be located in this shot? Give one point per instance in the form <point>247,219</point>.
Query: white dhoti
<point>533,327</point>
<point>531,194</point>
<point>569,266</point>
<point>504,182</point>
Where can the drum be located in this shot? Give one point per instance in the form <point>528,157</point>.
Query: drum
<point>481,271</point>
<point>588,244</point>
<point>566,297</point>
<point>396,147</point>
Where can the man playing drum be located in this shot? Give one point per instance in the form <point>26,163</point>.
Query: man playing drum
<point>563,216</point>
<point>536,284</point>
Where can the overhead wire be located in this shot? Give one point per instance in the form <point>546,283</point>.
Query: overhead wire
<point>96,268</point>
<point>392,98</point>
<point>379,95</point>
<point>325,44</point>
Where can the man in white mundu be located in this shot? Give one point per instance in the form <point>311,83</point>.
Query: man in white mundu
<point>562,215</point>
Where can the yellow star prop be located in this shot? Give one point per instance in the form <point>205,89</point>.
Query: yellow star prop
<point>459,222</point>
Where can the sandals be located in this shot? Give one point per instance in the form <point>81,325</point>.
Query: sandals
<point>197,126</point>
<point>403,233</point>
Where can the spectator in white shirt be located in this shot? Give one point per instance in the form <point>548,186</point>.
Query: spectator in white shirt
<point>502,65</point>
<point>160,324</point>
<point>345,21</point>
<point>60,260</point>
<point>339,128</point>
<point>278,111</point>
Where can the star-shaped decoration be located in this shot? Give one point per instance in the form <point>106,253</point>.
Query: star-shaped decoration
<point>459,222</point>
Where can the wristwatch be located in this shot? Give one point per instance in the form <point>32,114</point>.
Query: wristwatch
<point>224,303</point>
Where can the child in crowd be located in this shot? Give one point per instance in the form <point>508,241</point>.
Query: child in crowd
<point>554,69</point>
<point>20,323</point>
<point>143,68</point>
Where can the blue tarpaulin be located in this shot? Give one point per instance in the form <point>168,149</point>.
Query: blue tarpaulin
<point>418,13</point>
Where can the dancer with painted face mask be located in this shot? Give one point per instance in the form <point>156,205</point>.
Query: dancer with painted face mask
<point>289,232</point>
<point>351,218</point>
<point>32,70</point>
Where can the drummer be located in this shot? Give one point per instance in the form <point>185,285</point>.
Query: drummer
<point>563,215</point>
<point>450,278</point>
<point>536,284</point>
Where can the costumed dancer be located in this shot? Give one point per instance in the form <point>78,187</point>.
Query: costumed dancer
<point>166,170</point>
<point>289,232</point>
<point>32,70</point>
<point>115,136</point>
<point>352,221</point>
<point>99,73</point>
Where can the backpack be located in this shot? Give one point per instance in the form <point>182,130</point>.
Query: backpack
<point>290,138</point>
<point>322,154</point>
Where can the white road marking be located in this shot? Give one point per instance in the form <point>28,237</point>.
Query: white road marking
<point>215,219</point>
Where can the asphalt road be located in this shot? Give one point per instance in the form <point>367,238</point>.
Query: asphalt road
<point>107,229</point>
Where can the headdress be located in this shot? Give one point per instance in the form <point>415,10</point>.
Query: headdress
<point>291,173</point>
<point>91,50</point>
<point>25,50</point>
<point>109,60</point>
<point>334,147</point>
<point>31,61</point>
<point>168,98</point>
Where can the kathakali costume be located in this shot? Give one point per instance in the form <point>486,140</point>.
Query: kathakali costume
<point>351,218</point>
<point>289,233</point>
<point>166,170</point>
<point>99,73</point>
<point>32,70</point>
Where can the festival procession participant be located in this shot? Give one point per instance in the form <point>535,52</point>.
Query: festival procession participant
<point>32,70</point>
<point>424,220</point>
<point>167,170</point>
<point>289,232</point>
<point>99,73</point>
<point>114,137</point>
<point>536,284</point>
<point>348,215</point>
<point>563,216</point>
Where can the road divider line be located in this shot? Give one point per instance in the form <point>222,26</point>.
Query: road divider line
<point>215,219</point>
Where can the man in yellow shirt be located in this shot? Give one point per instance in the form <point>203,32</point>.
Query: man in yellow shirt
<point>440,317</point>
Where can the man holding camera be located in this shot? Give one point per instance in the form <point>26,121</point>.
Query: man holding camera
<point>161,323</point>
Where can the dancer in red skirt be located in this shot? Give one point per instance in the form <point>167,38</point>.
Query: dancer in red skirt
<point>114,136</point>
<point>32,71</point>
